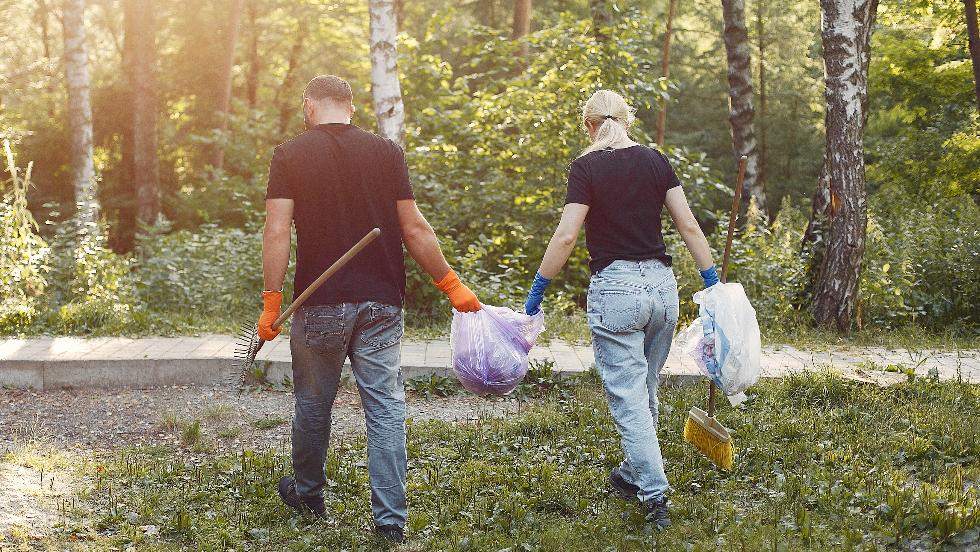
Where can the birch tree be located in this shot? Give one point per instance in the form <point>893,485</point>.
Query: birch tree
<point>522,24</point>
<point>79,110</point>
<point>385,88</point>
<point>846,35</point>
<point>741,114</point>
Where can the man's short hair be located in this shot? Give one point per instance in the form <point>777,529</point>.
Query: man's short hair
<point>329,86</point>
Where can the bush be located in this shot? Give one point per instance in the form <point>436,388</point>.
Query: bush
<point>23,253</point>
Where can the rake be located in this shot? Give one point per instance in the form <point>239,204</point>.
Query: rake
<point>249,343</point>
<point>702,429</point>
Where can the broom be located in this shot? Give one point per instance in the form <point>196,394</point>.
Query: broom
<point>249,343</point>
<point>702,429</point>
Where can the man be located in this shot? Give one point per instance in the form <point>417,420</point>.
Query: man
<point>336,182</point>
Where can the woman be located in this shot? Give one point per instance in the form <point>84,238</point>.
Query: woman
<point>618,188</point>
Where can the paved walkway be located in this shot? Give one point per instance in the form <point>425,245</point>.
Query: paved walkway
<point>58,362</point>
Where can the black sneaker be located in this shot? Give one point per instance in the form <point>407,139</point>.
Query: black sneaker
<point>622,487</point>
<point>305,504</point>
<point>656,512</point>
<point>391,532</point>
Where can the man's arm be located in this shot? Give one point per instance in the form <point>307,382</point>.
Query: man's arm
<point>423,246</point>
<point>275,242</point>
<point>420,240</point>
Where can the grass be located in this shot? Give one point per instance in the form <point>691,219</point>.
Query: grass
<point>821,463</point>
<point>270,422</point>
<point>572,328</point>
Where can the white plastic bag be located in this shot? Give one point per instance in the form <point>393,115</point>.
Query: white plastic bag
<point>490,348</point>
<point>725,341</point>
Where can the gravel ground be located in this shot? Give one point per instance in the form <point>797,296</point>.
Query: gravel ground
<point>94,420</point>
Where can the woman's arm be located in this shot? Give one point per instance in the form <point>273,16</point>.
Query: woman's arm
<point>559,248</point>
<point>687,226</point>
<point>563,241</point>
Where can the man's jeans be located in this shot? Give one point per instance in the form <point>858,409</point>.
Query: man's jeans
<point>320,339</point>
<point>632,313</point>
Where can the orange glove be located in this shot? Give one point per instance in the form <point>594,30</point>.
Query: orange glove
<point>271,301</point>
<point>459,295</point>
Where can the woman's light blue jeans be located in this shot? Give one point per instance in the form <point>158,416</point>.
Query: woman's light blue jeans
<point>632,312</point>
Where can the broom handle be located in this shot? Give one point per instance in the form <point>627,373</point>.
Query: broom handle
<point>728,248</point>
<point>337,265</point>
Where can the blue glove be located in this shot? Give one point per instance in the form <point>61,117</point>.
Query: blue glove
<point>536,295</point>
<point>710,276</point>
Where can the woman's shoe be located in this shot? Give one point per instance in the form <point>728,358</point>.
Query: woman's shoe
<point>620,486</point>
<point>656,512</point>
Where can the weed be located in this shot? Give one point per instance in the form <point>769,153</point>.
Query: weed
<point>269,422</point>
<point>230,433</point>
<point>219,412</point>
<point>433,386</point>
<point>190,433</point>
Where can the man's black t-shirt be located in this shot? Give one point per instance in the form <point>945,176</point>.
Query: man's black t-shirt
<point>625,190</point>
<point>344,182</point>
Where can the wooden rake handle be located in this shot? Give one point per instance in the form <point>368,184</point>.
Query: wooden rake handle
<point>742,162</point>
<point>330,271</point>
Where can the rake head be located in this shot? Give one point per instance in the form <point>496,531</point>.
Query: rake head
<point>247,348</point>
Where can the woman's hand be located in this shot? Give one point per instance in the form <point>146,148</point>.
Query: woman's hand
<point>709,276</point>
<point>534,297</point>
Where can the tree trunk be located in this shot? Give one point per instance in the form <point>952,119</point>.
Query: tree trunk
<point>740,96</point>
<point>287,103</point>
<point>522,24</point>
<point>973,37</point>
<point>489,12</point>
<point>600,19</point>
<point>846,36</point>
<point>254,62</point>
<point>141,67</point>
<point>42,21</point>
<point>763,141</point>
<point>385,87</point>
<point>79,111</point>
<point>665,70</point>
<point>223,106</point>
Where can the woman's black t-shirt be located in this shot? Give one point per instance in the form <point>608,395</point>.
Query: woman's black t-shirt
<point>625,190</point>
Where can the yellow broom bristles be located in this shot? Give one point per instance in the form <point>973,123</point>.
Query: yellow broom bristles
<point>719,452</point>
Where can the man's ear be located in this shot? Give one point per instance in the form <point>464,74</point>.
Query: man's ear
<point>351,109</point>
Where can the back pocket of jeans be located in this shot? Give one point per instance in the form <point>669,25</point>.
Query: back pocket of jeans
<point>324,327</point>
<point>385,326</point>
<point>619,309</point>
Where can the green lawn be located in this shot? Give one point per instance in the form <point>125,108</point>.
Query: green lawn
<point>821,463</point>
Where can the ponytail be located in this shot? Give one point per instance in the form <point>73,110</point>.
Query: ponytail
<point>613,116</point>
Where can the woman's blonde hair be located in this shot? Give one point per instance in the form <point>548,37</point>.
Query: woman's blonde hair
<point>611,116</point>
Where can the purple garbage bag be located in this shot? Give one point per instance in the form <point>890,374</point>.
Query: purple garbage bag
<point>490,348</point>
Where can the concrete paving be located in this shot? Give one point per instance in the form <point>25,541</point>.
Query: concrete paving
<point>60,362</point>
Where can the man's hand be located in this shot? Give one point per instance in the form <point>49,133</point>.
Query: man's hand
<point>271,303</point>
<point>459,295</point>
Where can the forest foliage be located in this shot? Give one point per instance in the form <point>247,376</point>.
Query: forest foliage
<point>489,139</point>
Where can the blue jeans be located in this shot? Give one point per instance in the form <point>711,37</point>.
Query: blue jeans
<point>320,339</point>
<point>632,312</point>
